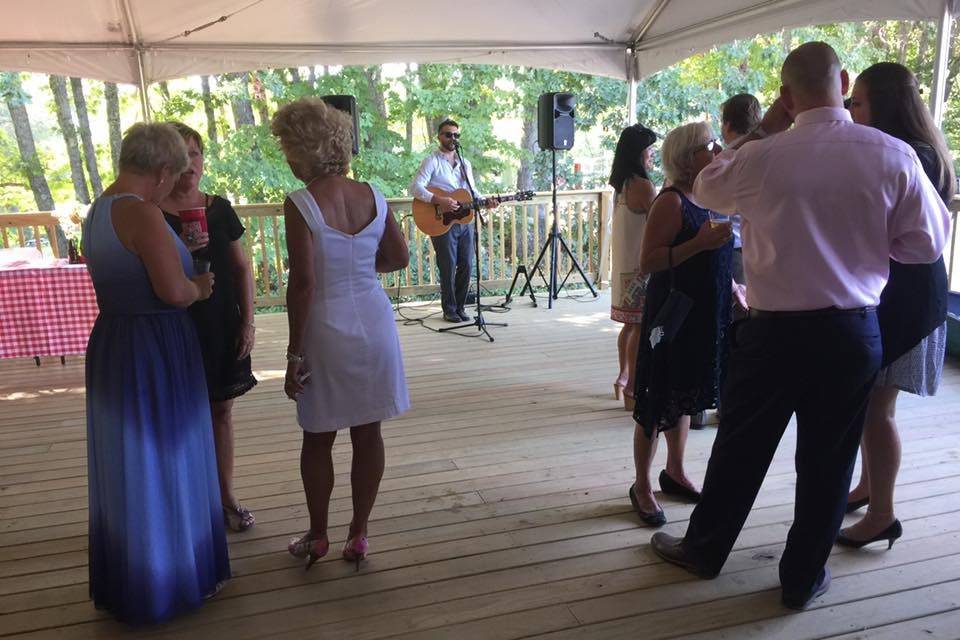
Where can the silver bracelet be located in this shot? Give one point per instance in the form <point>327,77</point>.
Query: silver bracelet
<point>292,357</point>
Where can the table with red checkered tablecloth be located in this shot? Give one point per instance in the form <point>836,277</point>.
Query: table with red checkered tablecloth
<point>46,311</point>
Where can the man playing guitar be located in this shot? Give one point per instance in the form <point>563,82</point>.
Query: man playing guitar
<point>454,249</point>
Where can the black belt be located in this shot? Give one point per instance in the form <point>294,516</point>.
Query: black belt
<point>829,311</point>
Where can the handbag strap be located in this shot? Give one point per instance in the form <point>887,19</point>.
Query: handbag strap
<point>670,266</point>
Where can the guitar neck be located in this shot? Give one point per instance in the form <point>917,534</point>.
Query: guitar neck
<point>483,201</point>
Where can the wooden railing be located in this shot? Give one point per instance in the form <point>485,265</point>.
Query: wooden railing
<point>23,230</point>
<point>513,236</point>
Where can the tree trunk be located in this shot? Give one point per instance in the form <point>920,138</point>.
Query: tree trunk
<point>379,105</point>
<point>376,94</point>
<point>295,74</point>
<point>787,41</point>
<point>209,110</point>
<point>528,146</point>
<point>953,66</point>
<point>89,152</point>
<point>164,91</point>
<point>904,41</point>
<point>112,99</point>
<point>410,108</point>
<point>16,103</point>
<point>61,100</point>
<point>313,76</point>
<point>240,102</point>
<point>260,99</point>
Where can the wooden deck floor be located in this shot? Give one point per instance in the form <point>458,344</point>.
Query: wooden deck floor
<point>503,513</point>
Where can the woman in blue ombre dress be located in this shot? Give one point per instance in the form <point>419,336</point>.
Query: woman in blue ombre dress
<point>157,543</point>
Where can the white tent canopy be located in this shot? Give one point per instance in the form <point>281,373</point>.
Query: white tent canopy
<point>144,41</point>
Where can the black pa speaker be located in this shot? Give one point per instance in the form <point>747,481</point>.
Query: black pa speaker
<point>347,104</point>
<point>555,120</point>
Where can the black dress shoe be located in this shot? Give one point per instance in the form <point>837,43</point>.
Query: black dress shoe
<point>801,602</point>
<point>671,487</point>
<point>890,534</point>
<point>452,317</point>
<point>651,519</point>
<point>670,548</point>
<point>857,504</point>
<point>464,317</point>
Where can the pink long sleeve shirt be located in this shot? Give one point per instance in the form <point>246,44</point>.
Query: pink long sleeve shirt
<point>825,205</point>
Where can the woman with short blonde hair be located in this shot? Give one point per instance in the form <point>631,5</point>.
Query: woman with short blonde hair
<point>315,137</point>
<point>680,376</point>
<point>344,366</point>
<point>678,153</point>
<point>157,544</point>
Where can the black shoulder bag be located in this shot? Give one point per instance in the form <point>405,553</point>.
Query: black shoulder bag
<point>672,314</point>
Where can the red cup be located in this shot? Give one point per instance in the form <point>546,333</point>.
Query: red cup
<point>193,221</point>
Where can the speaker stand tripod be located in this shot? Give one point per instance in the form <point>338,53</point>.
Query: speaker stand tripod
<point>553,239</point>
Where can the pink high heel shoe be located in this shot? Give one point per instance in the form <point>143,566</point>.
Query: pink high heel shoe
<point>356,550</point>
<point>310,548</point>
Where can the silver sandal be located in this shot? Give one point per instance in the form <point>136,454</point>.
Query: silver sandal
<point>238,518</point>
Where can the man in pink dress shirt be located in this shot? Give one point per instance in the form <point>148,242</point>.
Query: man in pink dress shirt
<point>824,207</point>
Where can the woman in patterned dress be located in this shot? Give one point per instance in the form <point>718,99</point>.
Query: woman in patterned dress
<point>634,195</point>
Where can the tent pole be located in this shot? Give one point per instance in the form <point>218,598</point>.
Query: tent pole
<point>631,61</point>
<point>144,97</point>
<point>940,64</point>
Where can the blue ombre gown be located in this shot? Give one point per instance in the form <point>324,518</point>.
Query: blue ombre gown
<point>157,543</point>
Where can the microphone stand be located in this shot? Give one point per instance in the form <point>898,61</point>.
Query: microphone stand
<point>475,204</point>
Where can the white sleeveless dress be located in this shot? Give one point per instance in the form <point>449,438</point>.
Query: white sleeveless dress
<point>351,346</point>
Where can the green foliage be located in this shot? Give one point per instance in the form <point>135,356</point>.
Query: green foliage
<point>400,110</point>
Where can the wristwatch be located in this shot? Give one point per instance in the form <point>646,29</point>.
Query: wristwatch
<point>292,357</point>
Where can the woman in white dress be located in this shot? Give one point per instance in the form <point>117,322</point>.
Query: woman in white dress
<point>344,367</point>
<point>635,193</point>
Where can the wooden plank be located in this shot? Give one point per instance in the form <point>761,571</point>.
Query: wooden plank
<point>524,224</point>
<point>503,257</point>
<point>502,512</point>
<point>278,251</point>
<point>939,626</point>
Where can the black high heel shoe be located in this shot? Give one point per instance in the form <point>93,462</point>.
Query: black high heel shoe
<point>671,487</point>
<point>890,534</point>
<point>857,504</point>
<point>654,519</point>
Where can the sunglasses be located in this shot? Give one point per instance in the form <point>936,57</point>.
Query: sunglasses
<point>448,135</point>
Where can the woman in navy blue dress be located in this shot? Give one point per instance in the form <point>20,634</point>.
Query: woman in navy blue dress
<point>913,306</point>
<point>157,543</point>
<point>678,378</point>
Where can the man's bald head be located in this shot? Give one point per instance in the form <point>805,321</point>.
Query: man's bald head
<point>813,76</point>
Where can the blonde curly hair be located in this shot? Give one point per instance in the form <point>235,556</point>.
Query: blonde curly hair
<point>316,139</point>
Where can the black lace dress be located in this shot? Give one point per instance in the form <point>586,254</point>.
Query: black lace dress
<point>684,376</point>
<point>218,317</point>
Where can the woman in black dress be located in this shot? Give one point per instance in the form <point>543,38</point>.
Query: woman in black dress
<point>224,321</point>
<point>913,306</point>
<point>680,377</point>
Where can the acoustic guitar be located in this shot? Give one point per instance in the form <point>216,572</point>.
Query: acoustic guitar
<point>434,222</point>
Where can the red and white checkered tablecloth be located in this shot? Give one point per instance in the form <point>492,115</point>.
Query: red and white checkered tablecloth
<point>46,311</point>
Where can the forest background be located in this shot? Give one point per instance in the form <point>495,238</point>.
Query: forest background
<point>60,137</point>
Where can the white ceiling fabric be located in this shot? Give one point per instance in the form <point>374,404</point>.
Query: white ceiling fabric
<point>101,39</point>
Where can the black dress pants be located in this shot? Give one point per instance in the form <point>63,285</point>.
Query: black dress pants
<point>819,366</point>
